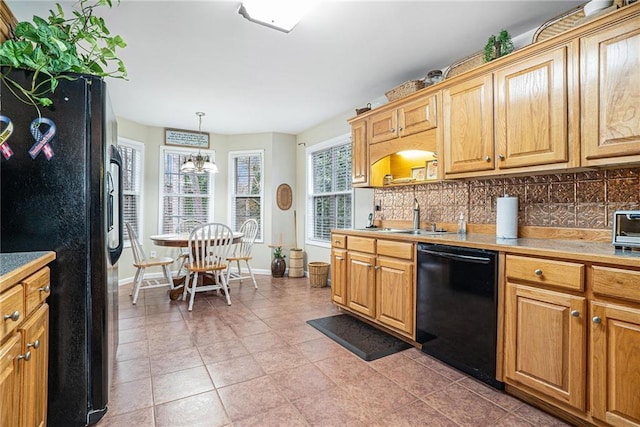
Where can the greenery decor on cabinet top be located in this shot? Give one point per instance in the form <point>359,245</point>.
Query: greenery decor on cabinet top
<point>497,46</point>
<point>59,45</point>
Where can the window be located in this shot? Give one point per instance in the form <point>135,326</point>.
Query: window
<point>246,192</point>
<point>132,153</point>
<point>182,196</point>
<point>329,189</point>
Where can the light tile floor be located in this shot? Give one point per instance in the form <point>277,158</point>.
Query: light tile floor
<point>257,363</point>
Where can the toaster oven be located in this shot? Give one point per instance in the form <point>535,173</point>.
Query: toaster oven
<point>626,229</point>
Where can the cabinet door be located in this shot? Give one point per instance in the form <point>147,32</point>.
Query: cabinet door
<point>383,126</point>
<point>615,362</point>
<point>545,342</point>
<point>395,300</point>
<point>36,341</point>
<point>610,90</point>
<point>10,368</point>
<point>468,126</point>
<point>531,111</point>
<point>362,291</point>
<point>417,116</point>
<point>359,154</point>
<point>339,276</point>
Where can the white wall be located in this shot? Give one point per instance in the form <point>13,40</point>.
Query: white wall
<point>280,167</point>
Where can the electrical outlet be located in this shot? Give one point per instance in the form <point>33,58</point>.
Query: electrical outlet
<point>153,254</point>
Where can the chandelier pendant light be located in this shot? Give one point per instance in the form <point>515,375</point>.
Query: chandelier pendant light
<point>198,163</point>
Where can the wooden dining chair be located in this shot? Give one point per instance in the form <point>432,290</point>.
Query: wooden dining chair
<point>209,246</point>
<point>242,252</point>
<point>185,226</point>
<point>141,262</point>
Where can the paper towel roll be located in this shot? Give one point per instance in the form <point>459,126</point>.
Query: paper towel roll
<point>507,218</point>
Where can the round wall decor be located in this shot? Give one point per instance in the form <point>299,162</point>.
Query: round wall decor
<point>284,196</point>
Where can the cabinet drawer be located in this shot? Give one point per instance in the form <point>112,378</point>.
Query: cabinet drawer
<point>390,248</point>
<point>37,288</point>
<point>561,274</point>
<point>11,301</point>
<point>338,241</point>
<point>361,244</point>
<point>616,282</point>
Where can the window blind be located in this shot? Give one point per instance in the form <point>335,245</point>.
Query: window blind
<point>246,193</point>
<point>132,161</point>
<point>329,203</point>
<point>184,196</point>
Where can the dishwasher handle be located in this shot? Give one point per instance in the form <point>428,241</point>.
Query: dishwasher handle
<point>457,257</point>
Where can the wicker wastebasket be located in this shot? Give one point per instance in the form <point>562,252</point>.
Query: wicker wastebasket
<point>318,272</point>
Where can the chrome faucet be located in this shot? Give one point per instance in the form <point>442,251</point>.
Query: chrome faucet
<point>416,214</point>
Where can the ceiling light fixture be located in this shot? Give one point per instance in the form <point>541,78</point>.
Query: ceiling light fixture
<point>197,163</point>
<point>281,15</point>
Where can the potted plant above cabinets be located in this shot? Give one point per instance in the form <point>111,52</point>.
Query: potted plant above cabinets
<point>498,46</point>
<point>59,47</point>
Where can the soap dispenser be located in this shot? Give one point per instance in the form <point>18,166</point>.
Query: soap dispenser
<point>462,224</point>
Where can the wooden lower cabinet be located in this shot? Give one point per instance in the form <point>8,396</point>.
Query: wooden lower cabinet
<point>24,347</point>
<point>545,342</point>
<point>339,276</point>
<point>375,278</point>
<point>615,363</point>
<point>395,296</point>
<point>361,296</point>
<point>10,381</point>
<point>35,333</point>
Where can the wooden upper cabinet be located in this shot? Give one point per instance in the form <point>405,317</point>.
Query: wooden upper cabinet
<point>468,126</point>
<point>408,118</point>
<point>610,91</point>
<point>359,154</point>
<point>417,116</point>
<point>532,114</point>
<point>383,126</point>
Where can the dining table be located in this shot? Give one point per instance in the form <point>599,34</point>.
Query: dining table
<point>181,240</point>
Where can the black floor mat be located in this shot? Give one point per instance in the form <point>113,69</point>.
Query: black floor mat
<point>358,337</point>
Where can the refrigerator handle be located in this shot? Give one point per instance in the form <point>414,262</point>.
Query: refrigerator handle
<point>116,160</point>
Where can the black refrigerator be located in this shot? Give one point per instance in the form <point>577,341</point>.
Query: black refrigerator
<point>60,189</point>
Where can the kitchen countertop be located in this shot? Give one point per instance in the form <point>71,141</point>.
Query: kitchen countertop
<point>18,265</point>
<point>585,250</point>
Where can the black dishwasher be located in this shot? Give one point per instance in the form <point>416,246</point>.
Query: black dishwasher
<point>456,308</point>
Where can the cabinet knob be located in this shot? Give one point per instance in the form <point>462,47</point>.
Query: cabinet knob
<point>13,316</point>
<point>596,319</point>
<point>377,267</point>
<point>501,156</point>
<point>339,258</point>
<point>538,272</point>
<point>369,265</point>
<point>487,158</point>
<point>26,356</point>
<point>575,313</point>
<point>45,289</point>
<point>35,344</point>
<point>399,129</point>
<point>392,130</point>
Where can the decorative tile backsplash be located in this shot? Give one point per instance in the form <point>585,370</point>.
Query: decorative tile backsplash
<point>575,200</point>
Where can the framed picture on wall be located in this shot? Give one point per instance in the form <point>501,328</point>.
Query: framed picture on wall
<point>186,138</point>
<point>432,169</point>
<point>418,173</point>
